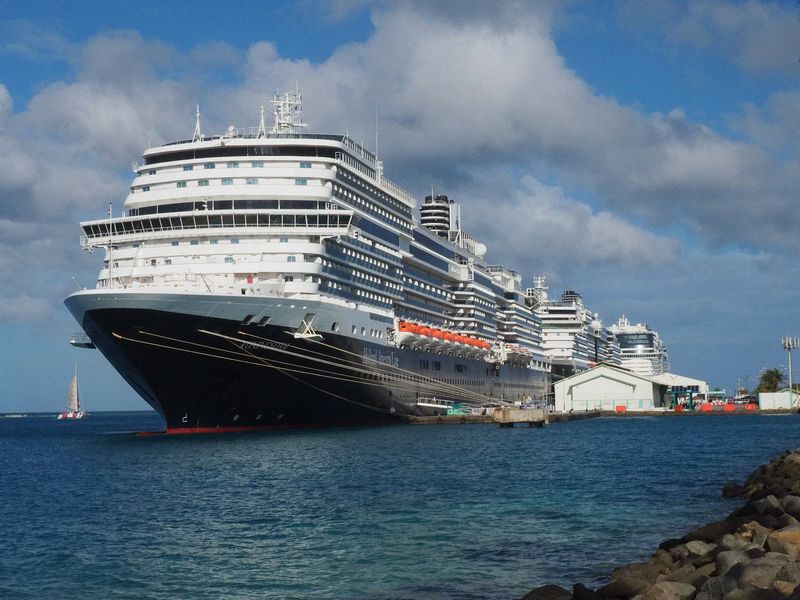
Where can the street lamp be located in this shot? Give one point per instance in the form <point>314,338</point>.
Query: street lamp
<point>789,344</point>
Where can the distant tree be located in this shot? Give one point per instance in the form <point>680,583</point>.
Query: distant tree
<point>770,381</point>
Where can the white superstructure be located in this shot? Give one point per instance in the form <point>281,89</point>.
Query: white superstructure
<point>641,348</point>
<point>260,239</point>
<point>572,336</point>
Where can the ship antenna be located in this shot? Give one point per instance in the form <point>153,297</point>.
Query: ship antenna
<point>262,128</point>
<point>197,136</point>
<point>287,112</point>
<point>378,163</point>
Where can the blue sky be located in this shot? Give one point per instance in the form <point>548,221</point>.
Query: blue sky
<point>643,153</point>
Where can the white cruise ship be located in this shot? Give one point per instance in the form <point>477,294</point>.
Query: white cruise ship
<point>276,278</point>
<point>642,350</point>
<point>572,336</point>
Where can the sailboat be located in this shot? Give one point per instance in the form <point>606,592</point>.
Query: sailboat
<point>74,410</point>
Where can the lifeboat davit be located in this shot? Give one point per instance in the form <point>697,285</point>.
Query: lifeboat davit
<point>433,337</point>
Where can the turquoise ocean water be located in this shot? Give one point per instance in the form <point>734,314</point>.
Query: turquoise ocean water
<point>89,510</point>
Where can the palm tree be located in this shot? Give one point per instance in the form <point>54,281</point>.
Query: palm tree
<point>771,380</point>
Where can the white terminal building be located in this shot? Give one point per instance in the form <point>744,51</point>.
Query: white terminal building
<point>614,388</point>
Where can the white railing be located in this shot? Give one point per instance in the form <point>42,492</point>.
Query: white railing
<point>383,183</point>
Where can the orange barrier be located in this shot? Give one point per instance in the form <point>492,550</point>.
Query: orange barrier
<point>679,408</point>
<point>751,406</point>
<point>730,408</point>
<point>707,408</point>
<point>621,408</point>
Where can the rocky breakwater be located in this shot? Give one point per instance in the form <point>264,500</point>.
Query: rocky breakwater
<point>752,554</point>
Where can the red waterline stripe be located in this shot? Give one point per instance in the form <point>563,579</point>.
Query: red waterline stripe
<point>246,428</point>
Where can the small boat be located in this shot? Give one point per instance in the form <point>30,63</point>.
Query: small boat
<point>74,410</point>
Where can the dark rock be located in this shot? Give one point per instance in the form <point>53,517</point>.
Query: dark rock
<point>733,542</point>
<point>669,544</point>
<point>709,557</point>
<point>728,559</point>
<point>759,572</point>
<point>699,548</point>
<point>663,559</point>
<point>777,544</point>
<point>713,531</point>
<point>679,553</point>
<point>581,592</point>
<point>548,592</point>
<point>732,490</point>
<point>684,574</point>
<point>791,504</point>
<point>648,571</point>
<point>670,590</point>
<point>786,520</point>
<point>754,552</point>
<point>702,574</point>
<point>717,587</point>
<point>768,521</point>
<point>623,587</point>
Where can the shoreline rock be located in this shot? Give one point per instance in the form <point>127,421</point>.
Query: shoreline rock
<point>752,554</point>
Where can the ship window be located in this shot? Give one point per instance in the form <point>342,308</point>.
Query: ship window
<point>229,259</point>
<point>175,243</point>
<point>214,242</point>
<point>145,188</point>
<point>203,182</point>
<point>301,181</point>
<point>291,258</point>
<point>284,240</point>
<point>288,278</point>
<point>363,331</point>
<point>194,243</point>
<point>354,329</point>
<point>234,241</point>
<point>233,165</point>
<point>251,181</point>
<point>188,167</point>
<point>209,166</point>
<point>227,181</point>
<point>151,172</point>
<point>305,165</point>
<point>167,261</point>
<point>247,319</point>
<point>258,164</point>
<point>335,326</point>
<point>181,184</point>
<point>263,321</point>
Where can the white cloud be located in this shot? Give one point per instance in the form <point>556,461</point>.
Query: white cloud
<point>460,98</point>
<point>23,308</point>
<point>539,227</point>
<point>759,37</point>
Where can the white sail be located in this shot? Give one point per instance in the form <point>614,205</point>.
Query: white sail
<point>73,401</point>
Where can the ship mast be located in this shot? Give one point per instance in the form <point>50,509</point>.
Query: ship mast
<point>287,112</point>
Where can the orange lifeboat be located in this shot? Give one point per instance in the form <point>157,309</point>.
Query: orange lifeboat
<point>427,331</point>
<point>437,333</point>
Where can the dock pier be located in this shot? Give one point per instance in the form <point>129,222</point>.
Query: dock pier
<point>508,417</point>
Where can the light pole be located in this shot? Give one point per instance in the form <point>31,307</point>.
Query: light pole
<point>789,344</point>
